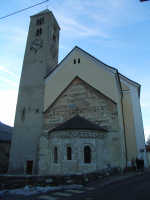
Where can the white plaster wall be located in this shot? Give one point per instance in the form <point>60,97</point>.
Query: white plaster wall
<point>137,118</point>
<point>121,132</point>
<point>112,150</point>
<point>93,73</point>
<point>140,138</point>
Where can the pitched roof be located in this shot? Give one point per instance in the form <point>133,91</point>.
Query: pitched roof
<point>85,52</point>
<point>42,12</point>
<point>78,122</point>
<point>5,128</point>
<point>5,137</point>
<point>5,132</point>
<point>114,70</point>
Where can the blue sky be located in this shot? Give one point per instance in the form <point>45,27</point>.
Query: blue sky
<point>115,31</point>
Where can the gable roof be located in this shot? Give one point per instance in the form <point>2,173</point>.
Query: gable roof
<point>85,52</point>
<point>5,137</point>
<point>5,132</point>
<point>107,67</point>
<point>78,122</point>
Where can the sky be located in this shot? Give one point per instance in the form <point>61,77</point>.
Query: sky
<point>117,32</point>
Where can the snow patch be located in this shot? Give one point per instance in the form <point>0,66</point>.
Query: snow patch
<point>29,190</point>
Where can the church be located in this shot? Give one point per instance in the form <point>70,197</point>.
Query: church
<point>76,116</point>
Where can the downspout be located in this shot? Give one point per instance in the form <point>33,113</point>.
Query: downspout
<point>121,92</point>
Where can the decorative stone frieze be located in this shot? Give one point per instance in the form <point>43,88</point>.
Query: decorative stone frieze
<point>77,134</point>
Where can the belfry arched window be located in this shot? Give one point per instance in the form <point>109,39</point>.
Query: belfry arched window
<point>54,37</point>
<point>69,153</point>
<point>87,154</point>
<point>55,155</point>
<point>40,21</point>
<point>38,31</point>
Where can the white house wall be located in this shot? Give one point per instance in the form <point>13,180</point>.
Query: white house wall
<point>137,116</point>
<point>138,119</point>
<point>88,70</point>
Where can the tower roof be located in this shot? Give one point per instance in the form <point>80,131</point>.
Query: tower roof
<point>42,12</point>
<point>78,122</point>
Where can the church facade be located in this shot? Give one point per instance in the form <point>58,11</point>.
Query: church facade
<point>76,116</point>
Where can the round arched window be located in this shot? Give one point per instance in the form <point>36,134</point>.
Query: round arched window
<point>55,155</point>
<point>87,154</point>
<point>69,153</point>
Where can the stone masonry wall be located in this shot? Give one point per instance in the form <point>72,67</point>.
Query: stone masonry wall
<point>105,149</point>
<point>82,99</point>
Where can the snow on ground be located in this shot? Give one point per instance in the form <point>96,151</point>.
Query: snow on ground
<point>29,190</point>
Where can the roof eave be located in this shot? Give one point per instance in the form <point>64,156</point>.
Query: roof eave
<point>132,82</point>
<point>76,47</point>
<point>55,129</point>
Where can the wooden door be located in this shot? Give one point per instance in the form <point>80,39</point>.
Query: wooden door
<point>29,166</point>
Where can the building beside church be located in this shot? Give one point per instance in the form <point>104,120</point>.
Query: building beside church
<point>76,116</point>
<point>5,142</point>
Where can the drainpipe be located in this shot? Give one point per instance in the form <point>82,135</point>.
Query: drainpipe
<point>121,92</point>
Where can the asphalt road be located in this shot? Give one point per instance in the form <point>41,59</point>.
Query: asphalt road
<point>137,188</point>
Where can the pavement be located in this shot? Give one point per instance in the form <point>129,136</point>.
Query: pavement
<point>120,178</point>
<point>68,193</point>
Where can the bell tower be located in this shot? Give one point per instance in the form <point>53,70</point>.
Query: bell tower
<point>41,54</point>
